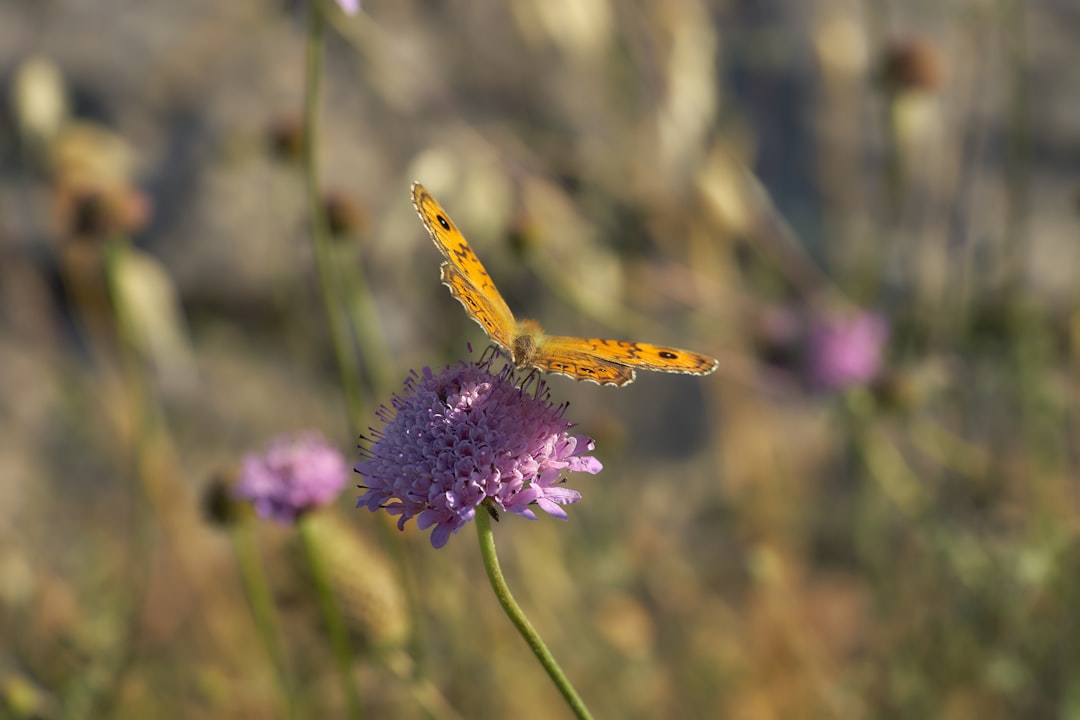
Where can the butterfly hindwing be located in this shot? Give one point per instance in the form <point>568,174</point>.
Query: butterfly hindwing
<point>574,358</point>
<point>644,356</point>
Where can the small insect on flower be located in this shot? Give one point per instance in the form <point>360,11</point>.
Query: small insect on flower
<point>295,474</point>
<point>471,436</point>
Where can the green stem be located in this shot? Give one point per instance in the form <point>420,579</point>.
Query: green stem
<point>1018,138</point>
<point>367,329</point>
<point>262,610</point>
<point>355,311</point>
<point>335,624</point>
<point>513,610</point>
<point>328,279</point>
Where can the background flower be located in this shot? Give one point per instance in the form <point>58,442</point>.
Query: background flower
<point>846,350</point>
<point>294,474</point>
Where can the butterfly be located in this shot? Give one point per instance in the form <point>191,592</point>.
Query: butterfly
<point>604,362</point>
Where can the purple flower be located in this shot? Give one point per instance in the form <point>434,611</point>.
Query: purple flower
<point>469,436</point>
<point>846,351</point>
<point>295,473</point>
<point>349,7</point>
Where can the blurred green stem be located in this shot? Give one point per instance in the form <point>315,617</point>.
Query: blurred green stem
<point>878,30</point>
<point>893,476</point>
<point>339,332</point>
<point>335,625</point>
<point>328,279</point>
<point>154,458</point>
<point>366,324</point>
<point>93,692</point>
<point>513,610</point>
<point>355,309</point>
<point>1013,25</point>
<point>262,610</point>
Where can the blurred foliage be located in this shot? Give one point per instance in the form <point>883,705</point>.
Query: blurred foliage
<point>717,175</point>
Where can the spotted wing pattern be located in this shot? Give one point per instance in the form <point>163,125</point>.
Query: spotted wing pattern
<point>463,272</point>
<point>606,362</point>
<point>629,355</point>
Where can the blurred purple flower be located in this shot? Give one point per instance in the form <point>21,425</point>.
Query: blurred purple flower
<point>349,7</point>
<point>469,436</point>
<point>846,351</point>
<point>296,473</point>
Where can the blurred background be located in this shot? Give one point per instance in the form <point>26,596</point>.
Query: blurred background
<point>868,211</point>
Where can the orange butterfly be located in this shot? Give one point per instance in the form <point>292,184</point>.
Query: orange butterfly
<point>605,362</point>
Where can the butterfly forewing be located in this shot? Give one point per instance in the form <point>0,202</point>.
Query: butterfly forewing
<point>463,272</point>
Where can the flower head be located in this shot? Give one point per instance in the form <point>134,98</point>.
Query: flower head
<point>349,7</point>
<point>912,65</point>
<point>470,436</point>
<point>296,473</point>
<point>846,351</point>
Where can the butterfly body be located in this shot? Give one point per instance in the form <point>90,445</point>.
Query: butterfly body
<point>605,362</point>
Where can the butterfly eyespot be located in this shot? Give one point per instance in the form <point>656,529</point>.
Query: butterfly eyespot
<point>442,221</point>
<point>668,355</point>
